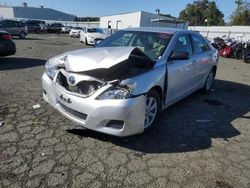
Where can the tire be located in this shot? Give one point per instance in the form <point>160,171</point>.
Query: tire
<point>153,106</point>
<point>86,41</point>
<point>81,41</point>
<point>22,35</point>
<point>209,82</point>
<point>244,58</point>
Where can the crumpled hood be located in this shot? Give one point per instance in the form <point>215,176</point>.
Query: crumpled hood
<point>92,58</point>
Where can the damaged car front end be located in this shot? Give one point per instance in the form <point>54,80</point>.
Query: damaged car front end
<point>99,95</point>
<point>120,86</point>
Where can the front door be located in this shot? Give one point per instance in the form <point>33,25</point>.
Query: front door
<point>180,72</point>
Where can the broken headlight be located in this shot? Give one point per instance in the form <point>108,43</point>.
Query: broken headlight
<point>115,93</point>
<point>50,70</point>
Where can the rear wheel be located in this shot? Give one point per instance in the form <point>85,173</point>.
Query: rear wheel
<point>244,58</point>
<point>22,35</point>
<point>152,109</point>
<point>209,81</point>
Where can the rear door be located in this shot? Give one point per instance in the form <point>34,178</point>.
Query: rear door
<point>180,72</point>
<point>14,28</point>
<point>202,58</point>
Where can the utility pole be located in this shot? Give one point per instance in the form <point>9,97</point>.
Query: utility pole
<point>239,3</point>
<point>158,11</point>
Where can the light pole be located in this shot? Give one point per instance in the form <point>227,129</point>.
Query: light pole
<point>158,11</point>
<point>205,22</point>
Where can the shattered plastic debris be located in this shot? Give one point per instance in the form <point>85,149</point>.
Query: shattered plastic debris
<point>1,123</point>
<point>29,47</point>
<point>36,106</point>
<point>202,120</point>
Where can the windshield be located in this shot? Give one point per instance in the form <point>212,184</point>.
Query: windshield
<point>94,30</point>
<point>151,43</point>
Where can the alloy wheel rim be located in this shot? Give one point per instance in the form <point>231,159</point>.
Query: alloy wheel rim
<point>209,80</point>
<point>151,111</point>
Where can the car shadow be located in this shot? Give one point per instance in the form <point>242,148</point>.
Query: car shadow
<point>189,125</point>
<point>11,63</point>
<point>26,38</point>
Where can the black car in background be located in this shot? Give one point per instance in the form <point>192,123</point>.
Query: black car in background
<point>15,28</point>
<point>7,46</point>
<point>36,26</point>
<point>55,27</point>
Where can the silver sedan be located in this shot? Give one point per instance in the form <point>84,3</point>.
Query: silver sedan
<point>120,86</point>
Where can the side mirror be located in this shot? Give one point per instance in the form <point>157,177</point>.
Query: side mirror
<point>179,56</point>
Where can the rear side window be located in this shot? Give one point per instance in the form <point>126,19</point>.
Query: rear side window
<point>2,24</point>
<point>12,24</point>
<point>199,44</point>
<point>21,24</point>
<point>207,47</point>
<point>183,44</point>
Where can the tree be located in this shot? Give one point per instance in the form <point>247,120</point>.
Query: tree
<point>199,11</point>
<point>213,15</point>
<point>241,16</point>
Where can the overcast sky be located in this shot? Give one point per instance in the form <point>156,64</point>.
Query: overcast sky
<point>109,7</point>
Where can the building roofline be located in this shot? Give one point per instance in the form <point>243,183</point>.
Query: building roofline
<point>161,17</point>
<point>139,11</point>
<point>121,13</point>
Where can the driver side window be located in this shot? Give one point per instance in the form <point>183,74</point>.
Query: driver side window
<point>183,44</point>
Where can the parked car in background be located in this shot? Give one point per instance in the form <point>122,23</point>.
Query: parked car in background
<point>75,32</point>
<point>36,26</point>
<point>7,46</point>
<point>66,29</point>
<point>15,28</point>
<point>92,35</point>
<point>120,86</point>
<point>55,27</point>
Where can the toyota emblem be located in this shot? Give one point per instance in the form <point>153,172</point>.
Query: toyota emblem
<point>72,80</point>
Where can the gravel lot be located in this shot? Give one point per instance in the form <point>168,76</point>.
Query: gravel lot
<point>40,148</point>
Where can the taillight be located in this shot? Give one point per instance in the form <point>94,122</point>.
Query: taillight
<point>7,37</point>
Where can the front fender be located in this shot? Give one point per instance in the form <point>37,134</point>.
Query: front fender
<point>146,81</point>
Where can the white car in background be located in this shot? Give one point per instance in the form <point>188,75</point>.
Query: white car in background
<point>92,35</point>
<point>66,29</point>
<point>75,32</point>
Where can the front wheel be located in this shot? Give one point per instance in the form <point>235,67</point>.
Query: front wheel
<point>86,41</point>
<point>209,82</point>
<point>152,109</point>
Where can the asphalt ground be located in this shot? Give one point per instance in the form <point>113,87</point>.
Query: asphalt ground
<point>41,148</point>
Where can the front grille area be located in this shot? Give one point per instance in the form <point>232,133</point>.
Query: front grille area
<point>84,87</point>
<point>73,112</point>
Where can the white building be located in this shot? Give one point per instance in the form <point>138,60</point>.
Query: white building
<point>140,19</point>
<point>24,13</point>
